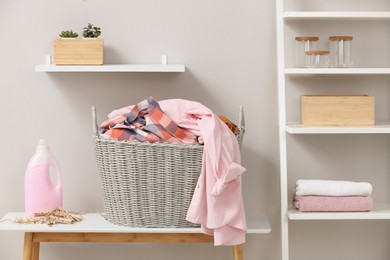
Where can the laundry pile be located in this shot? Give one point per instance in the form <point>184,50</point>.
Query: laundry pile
<point>330,195</point>
<point>217,202</point>
<point>152,121</point>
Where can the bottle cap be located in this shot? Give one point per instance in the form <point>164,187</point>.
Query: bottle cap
<point>306,38</point>
<point>316,52</point>
<point>340,38</point>
<point>43,145</point>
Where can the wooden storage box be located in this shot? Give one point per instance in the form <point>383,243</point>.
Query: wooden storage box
<point>337,110</point>
<point>78,51</point>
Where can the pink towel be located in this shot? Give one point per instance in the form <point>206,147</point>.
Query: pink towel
<point>326,203</point>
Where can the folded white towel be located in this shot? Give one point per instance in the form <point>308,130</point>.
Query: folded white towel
<point>332,188</point>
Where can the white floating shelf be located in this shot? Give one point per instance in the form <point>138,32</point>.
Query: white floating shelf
<point>337,15</point>
<point>380,211</point>
<point>299,129</point>
<point>113,68</point>
<point>94,222</point>
<point>340,71</point>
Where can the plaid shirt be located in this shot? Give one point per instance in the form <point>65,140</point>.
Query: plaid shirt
<point>146,122</point>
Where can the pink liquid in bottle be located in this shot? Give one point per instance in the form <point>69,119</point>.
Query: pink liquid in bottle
<point>41,195</point>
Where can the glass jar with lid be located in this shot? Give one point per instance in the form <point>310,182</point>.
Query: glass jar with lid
<point>340,51</point>
<point>317,59</point>
<point>303,44</point>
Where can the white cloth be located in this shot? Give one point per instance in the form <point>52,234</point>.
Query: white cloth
<point>332,188</point>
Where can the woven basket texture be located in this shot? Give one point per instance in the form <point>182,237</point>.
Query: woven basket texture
<point>148,185</point>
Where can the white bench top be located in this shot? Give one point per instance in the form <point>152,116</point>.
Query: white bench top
<point>95,223</point>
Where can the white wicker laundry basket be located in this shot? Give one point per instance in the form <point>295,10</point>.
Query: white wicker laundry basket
<point>148,185</point>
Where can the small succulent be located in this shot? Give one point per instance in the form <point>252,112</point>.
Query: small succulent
<point>91,31</point>
<point>69,34</point>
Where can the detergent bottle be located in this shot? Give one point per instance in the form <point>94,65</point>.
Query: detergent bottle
<point>41,195</point>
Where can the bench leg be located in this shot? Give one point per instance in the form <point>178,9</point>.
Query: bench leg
<point>35,251</point>
<point>27,251</point>
<point>31,248</point>
<point>238,252</point>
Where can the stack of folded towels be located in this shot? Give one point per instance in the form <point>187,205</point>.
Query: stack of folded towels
<point>329,195</point>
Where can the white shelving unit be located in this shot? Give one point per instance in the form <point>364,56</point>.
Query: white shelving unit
<point>113,68</point>
<point>288,74</point>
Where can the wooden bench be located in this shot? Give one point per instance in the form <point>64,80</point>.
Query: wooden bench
<point>32,240</point>
<point>94,228</point>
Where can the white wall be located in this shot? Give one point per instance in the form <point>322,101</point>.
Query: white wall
<point>228,48</point>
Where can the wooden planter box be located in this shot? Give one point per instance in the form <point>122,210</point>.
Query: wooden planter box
<point>337,110</point>
<point>78,51</point>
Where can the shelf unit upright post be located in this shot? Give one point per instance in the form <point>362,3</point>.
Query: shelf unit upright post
<point>380,211</point>
<point>282,132</point>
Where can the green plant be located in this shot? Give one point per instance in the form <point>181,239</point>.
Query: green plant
<point>91,31</point>
<point>69,34</point>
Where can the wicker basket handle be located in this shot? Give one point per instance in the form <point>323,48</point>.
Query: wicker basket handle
<point>241,119</point>
<point>94,121</point>
<point>241,126</point>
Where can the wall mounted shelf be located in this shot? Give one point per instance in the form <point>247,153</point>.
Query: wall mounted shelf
<point>340,71</point>
<point>379,211</point>
<point>112,68</point>
<point>299,129</point>
<point>337,15</point>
